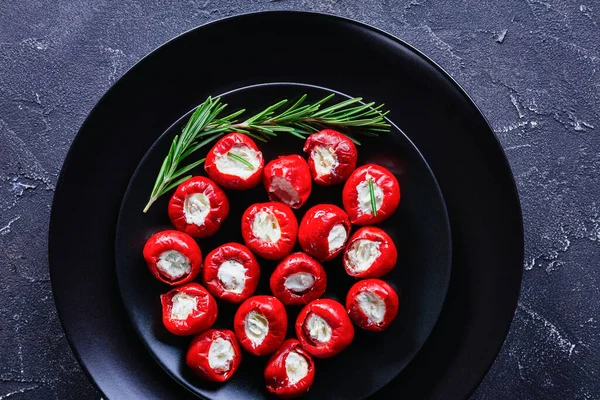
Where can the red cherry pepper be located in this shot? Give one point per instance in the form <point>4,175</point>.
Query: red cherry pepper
<point>231,272</point>
<point>298,279</point>
<point>224,166</point>
<point>372,304</point>
<point>331,157</point>
<point>198,207</point>
<point>323,231</point>
<point>285,369</point>
<point>270,230</point>
<point>173,257</point>
<point>260,325</point>
<point>370,253</point>
<point>188,310</point>
<point>357,199</point>
<point>324,328</point>
<point>287,180</point>
<point>214,355</point>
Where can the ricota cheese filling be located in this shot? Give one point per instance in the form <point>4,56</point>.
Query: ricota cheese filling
<point>372,306</point>
<point>296,367</point>
<point>300,282</point>
<point>196,207</point>
<point>362,254</point>
<point>284,191</point>
<point>318,329</point>
<point>173,264</point>
<point>265,226</point>
<point>232,276</point>
<point>256,326</point>
<point>229,165</point>
<point>324,159</point>
<point>220,355</point>
<point>364,195</point>
<point>337,237</point>
<point>183,306</point>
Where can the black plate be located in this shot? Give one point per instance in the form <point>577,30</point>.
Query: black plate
<point>428,106</point>
<point>419,227</point>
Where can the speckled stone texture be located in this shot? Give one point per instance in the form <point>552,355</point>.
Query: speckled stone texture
<point>530,65</point>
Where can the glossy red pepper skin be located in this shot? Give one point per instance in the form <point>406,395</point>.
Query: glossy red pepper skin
<point>336,317</point>
<point>344,150</point>
<point>382,264</point>
<point>235,252</point>
<point>389,186</point>
<point>295,171</point>
<point>379,288</point>
<point>202,318</point>
<point>274,311</point>
<point>287,224</point>
<point>218,202</point>
<point>276,376</point>
<point>314,230</point>
<point>197,355</point>
<point>172,240</point>
<point>292,264</point>
<point>221,148</point>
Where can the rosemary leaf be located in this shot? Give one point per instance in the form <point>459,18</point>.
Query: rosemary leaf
<point>372,196</point>
<point>240,159</point>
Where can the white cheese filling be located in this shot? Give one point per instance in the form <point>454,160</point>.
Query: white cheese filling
<point>364,196</point>
<point>220,355</point>
<point>324,159</point>
<point>173,264</point>
<point>266,227</point>
<point>231,166</point>
<point>232,276</point>
<point>372,306</point>
<point>256,326</point>
<point>284,191</point>
<point>183,306</point>
<point>362,254</point>
<point>196,207</point>
<point>337,237</point>
<point>296,367</point>
<point>318,329</point>
<point>299,282</point>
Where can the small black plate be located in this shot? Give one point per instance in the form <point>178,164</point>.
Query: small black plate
<point>420,228</point>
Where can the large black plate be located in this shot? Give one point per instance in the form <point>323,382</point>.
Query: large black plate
<point>420,228</point>
<point>432,110</point>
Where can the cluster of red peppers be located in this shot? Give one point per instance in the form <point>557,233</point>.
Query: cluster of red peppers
<point>231,272</point>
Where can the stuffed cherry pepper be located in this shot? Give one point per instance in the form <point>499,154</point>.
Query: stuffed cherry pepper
<point>270,230</point>
<point>173,257</point>
<point>231,272</point>
<point>372,304</point>
<point>198,207</point>
<point>260,325</point>
<point>298,279</point>
<point>323,231</point>
<point>324,328</point>
<point>188,310</point>
<point>214,355</point>
<point>370,195</point>
<point>235,162</point>
<point>331,157</point>
<point>287,180</point>
<point>371,253</point>
<point>290,372</point>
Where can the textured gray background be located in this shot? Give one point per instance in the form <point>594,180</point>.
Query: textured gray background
<point>530,65</point>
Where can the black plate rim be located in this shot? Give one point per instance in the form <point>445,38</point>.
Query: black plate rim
<point>53,268</point>
<point>447,269</point>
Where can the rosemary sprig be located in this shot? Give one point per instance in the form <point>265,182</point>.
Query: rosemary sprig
<point>299,119</point>
<point>240,159</point>
<point>372,196</point>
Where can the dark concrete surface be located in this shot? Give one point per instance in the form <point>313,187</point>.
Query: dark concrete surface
<point>531,65</point>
